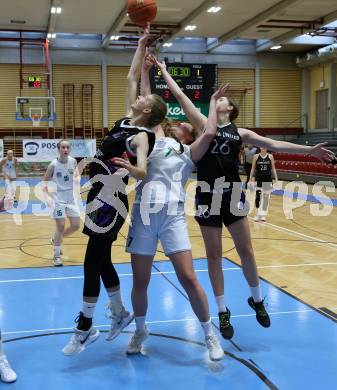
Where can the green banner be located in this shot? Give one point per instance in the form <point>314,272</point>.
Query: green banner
<point>175,112</point>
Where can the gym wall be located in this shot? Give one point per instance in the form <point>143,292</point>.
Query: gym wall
<point>319,80</point>
<point>280,98</point>
<point>280,93</point>
<point>241,79</point>
<point>10,89</point>
<point>78,75</point>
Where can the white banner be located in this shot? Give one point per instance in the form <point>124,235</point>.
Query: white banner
<point>1,148</point>
<point>46,149</point>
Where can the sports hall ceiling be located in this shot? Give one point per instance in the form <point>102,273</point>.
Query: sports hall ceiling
<point>268,22</point>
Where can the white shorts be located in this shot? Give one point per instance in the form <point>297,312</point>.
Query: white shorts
<point>170,230</point>
<point>65,205</point>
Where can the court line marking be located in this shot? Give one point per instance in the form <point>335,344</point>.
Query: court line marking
<point>290,231</point>
<point>28,220</point>
<point>164,321</point>
<point>170,272</point>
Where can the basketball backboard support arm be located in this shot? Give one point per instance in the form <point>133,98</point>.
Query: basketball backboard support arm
<point>44,45</point>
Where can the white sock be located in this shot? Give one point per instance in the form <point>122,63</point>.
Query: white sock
<point>88,309</point>
<point>256,293</point>
<point>207,327</point>
<point>116,300</point>
<point>220,301</point>
<point>140,323</point>
<point>57,250</point>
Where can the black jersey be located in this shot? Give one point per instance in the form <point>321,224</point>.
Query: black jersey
<point>222,157</point>
<point>115,143</point>
<point>263,167</point>
<point>106,221</point>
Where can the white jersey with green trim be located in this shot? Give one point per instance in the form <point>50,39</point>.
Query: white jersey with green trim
<point>64,173</point>
<point>168,168</point>
<point>9,168</point>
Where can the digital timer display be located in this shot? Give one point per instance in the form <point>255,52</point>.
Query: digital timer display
<point>197,81</point>
<point>34,81</point>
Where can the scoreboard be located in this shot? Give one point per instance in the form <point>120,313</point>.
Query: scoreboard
<point>197,81</point>
<point>34,81</point>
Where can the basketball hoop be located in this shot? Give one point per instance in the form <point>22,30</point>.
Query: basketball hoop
<point>35,114</point>
<point>36,118</point>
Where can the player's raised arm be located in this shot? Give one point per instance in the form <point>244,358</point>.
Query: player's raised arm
<point>196,118</point>
<point>135,70</point>
<point>318,151</point>
<point>201,145</point>
<point>145,85</point>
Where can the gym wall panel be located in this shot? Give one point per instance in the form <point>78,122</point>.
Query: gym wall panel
<point>280,98</point>
<point>10,89</point>
<point>116,92</point>
<point>241,79</point>
<point>78,75</point>
<point>319,80</point>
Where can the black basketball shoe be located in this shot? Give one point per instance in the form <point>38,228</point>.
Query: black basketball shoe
<point>226,329</point>
<point>261,313</point>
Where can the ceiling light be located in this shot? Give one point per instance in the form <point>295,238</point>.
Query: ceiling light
<point>53,35</point>
<point>214,10</point>
<point>276,47</point>
<point>167,44</point>
<point>190,27</point>
<point>48,35</point>
<point>114,37</point>
<point>55,10</point>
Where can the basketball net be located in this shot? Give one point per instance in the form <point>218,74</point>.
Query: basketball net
<point>36,118</point>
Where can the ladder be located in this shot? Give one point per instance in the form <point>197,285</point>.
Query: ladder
<point>69,110</point>
<point>87,110</point>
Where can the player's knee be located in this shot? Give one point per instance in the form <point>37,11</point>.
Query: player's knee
<point>214,258</point>
<point>140,284</point>
<point>247,253</point>
<point>189,281</point>
<point>75,225</point>
<point>60,227</point>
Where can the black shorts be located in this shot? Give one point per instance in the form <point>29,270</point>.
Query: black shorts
<point>106,221</point>
<point>265,183</point>
<point>226,209</point>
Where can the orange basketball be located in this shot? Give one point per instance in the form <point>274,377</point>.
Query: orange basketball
<point>142,11</point>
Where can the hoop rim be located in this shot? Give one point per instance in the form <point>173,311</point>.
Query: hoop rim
<point>36,119</point>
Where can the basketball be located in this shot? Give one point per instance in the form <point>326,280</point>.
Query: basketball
<point>142,11</point>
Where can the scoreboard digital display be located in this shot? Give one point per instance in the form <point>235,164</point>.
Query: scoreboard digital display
<point>197,81</point>
<point>34,81</point>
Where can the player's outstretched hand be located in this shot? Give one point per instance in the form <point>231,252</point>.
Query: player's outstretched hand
<point>147,63</point>
<point>221,91</point>
<point>154,60</point>
<point>145,35</point>
<point>123,161</point>
<point>323,154</point>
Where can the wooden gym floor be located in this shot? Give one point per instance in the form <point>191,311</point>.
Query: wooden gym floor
<point>299,255</point>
